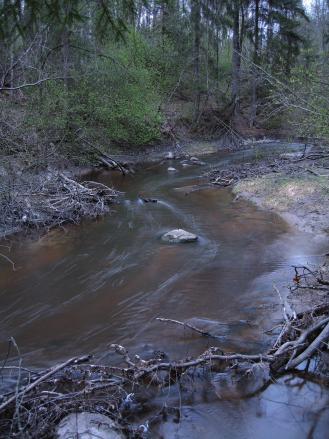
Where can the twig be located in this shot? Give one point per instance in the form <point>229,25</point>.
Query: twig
<point>188,325</point>
<point>42,378</point>
<point>9,260</point>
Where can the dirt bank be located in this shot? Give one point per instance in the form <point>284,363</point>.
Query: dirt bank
<point>295,185</point>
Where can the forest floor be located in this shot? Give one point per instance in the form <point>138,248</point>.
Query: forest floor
<point>294,185</point>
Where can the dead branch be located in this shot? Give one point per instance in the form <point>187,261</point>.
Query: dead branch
<point>52,199</point>
<point>31,84</point>
<point>105,158</point>
<point>188,325</point>
<point>52,371</point>
<point>313,347</point>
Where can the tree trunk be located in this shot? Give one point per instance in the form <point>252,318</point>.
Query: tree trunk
<point>236,59</point>
<point>253,108</point>
<point>269,33</point>
<point>196,18</point>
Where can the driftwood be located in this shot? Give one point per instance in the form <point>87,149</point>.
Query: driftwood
<point>105,159</point>
<point>51,199</point>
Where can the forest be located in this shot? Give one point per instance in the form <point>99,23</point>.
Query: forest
<point>164,219</point>
<point>132,73</point>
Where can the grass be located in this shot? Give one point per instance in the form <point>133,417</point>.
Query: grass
<point>286,193</point>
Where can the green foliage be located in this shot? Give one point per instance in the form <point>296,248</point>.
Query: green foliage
<point>114,98</point>
<point>311,98</point>
<point>24,16</point>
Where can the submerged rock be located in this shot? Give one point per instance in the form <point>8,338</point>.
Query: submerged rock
<point>241,381</point>
<point>213,327</point>
<point>179,236</point>
<point>87,425</point>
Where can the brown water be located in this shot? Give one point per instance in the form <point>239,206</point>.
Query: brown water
<point>77,291</point>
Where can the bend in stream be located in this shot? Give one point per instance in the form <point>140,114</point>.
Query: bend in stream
<point>105,282</point>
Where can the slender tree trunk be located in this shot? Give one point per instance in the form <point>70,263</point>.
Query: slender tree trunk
<point>236,59</point>
<point>65,67</point>
<point>65,56</point>
<point>269,33</point>
<point>217,57</point>
<point>196,19</point>
<point>253,108</point>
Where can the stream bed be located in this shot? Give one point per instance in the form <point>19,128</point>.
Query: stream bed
<point>77,290</point>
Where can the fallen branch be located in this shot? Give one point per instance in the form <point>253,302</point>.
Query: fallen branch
<point>32,386</point>
<point>322,338</point>
<point>106,159</point>
<point>188,325</point>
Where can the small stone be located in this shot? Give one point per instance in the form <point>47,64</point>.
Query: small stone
<point>196,161</point>
<point>170,169</point>
<point>291,155</point>
<point>87,425</point>
<point>179,236</point>
<point>170,155</point>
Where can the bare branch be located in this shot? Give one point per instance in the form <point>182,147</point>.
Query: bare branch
<point>31,84</point>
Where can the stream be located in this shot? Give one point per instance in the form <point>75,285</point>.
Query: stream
<point>77,290</point>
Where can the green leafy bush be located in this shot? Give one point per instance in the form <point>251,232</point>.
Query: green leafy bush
<point>115,98</point>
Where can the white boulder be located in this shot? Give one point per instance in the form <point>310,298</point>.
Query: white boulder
<point>179,236</point>
<point>170,155</point>
<point>87,425</point>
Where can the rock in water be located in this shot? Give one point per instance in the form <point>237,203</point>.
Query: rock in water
<point>170,169</point>
<point>170,155</point>
<point>87,425</point>
<point>196,161</point>
<point>179,236</point>
<point>241,381</point>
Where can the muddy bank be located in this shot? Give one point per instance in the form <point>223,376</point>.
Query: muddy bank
<point>294,185</point>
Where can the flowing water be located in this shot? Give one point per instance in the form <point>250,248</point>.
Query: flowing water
<point>77,290</point>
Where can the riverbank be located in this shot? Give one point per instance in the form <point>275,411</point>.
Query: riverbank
<point>294,185</point>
